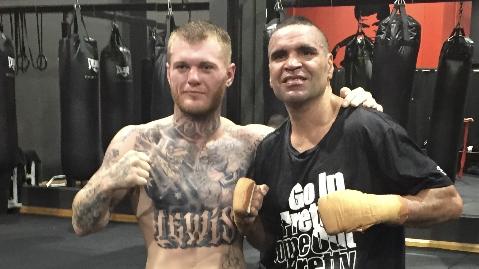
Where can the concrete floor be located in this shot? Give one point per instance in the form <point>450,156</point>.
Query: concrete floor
<point>28,241</point>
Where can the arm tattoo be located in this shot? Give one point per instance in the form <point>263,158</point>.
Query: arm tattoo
<point>90,212</point>
<point>110,157</point>
<point>95,204</point>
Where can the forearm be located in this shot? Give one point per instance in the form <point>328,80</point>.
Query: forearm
<point>257,235</point>
<point>91,207</point>
<point>433,206</point>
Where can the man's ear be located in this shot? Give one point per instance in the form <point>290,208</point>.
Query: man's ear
<point>168,72</point>
<point>230,74</point>
<point>330,66</point>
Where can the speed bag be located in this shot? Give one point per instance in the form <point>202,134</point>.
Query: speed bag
<point>116,88</point>
<point>449,101</point>
<point>80,110</point>
<point>358,66</point>
<point>395,55</point>
<point>8,115</point>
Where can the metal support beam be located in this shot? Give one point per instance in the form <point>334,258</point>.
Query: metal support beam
<point>106,7</point>
<point>328,3</point>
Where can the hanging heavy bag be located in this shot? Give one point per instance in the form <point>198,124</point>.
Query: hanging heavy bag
<point>79,105</point>
<point>161,100</point>
<point>63,53</point>
<point>357,61</point>
<point>420,108</point>
<point>116,88</point>
<point>395,55</point>
<point>449,99</point>
<point>8,116</point>
<point>272,106</point>
<point>338,80</point>
<point>147,67</point>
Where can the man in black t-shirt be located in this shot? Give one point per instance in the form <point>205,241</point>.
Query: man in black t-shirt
<point>342,181</point>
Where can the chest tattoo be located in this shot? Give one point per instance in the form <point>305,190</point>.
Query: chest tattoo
<point>192,187</point>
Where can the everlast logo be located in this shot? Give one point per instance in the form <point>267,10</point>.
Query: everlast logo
<point>11,63</point>
<point>123,71</point>
<point>93,65</point>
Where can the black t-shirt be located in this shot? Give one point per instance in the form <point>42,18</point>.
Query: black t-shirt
<point>364,150</point>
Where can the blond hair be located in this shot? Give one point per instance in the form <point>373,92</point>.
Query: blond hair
<point>197,31</point>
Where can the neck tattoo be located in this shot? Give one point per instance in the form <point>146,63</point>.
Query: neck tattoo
<point>194,129</point>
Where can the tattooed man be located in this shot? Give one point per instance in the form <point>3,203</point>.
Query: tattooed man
<point>181,170</point>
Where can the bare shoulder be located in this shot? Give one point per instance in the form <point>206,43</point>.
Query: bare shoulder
<point>129,136</point>
<point>254,133</point>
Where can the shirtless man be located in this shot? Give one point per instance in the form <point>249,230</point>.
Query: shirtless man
<point>181,170</point>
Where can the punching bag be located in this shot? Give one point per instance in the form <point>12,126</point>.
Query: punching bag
<point>80,106</point>
<point>338,80</point>
<point>161,100</point>
<point>8,117</point>
<point>147,67</point>
<point>420,108</point>
<point>63,53</point>
<point>357,61</point>
<point>272,106</point>
<point>395,55</point>
<point>156,44</point>
<point>116,88</point>
<point>449,100</point>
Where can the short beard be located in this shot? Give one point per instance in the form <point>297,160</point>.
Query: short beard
<point>203,114</point>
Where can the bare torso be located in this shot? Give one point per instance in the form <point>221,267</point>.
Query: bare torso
<point>185,210</point>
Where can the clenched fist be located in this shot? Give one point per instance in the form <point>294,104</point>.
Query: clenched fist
<point>131,170</point>
<point>351,210</point>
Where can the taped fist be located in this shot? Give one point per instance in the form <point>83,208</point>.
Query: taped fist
<point>247,201</point>
<point>351,210</point>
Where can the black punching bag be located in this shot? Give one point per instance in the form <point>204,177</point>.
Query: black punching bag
<point>357,61</point>
<point>116,88</point>
<point>80,107</point>
<point>8,117</point>
<point>147,67</point>
<point>272,106</point>
<point>63,53</point>
<point>161,100</point>
<point>395,55</point>
<point>449,100</point>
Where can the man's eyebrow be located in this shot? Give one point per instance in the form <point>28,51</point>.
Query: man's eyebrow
<point>179,63</point>
<point>277,53</point>
<point>307,48</point>
<point>208,63</point>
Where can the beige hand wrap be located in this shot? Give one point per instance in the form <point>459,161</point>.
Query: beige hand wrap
<point>351,210</point>
<point>242,196</point>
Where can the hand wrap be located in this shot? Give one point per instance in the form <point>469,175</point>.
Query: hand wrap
<point>351,210</point>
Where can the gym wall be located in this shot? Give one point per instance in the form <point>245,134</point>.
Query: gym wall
<point>437,21</point>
